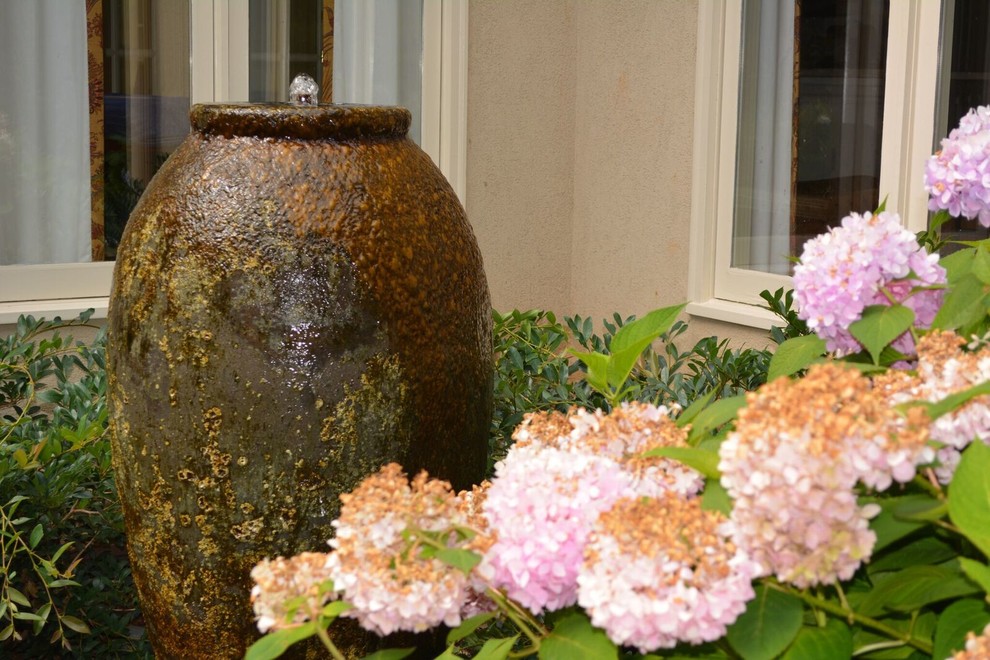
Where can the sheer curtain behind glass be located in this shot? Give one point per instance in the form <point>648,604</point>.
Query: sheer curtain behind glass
<point>811,107</point>
<point>378,54</point>
<point>44,133</point>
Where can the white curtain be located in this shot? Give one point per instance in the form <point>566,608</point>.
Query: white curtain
<point>44,133</point>
<point>378,54</point>
<point>764,160</point>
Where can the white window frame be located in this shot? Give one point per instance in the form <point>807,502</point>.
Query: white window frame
<point>723,293</point>
<point>219,35</point>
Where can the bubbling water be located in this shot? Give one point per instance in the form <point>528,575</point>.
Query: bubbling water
<point>304,90</point>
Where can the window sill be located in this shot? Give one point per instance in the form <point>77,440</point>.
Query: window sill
<point>734,312</point>
<point>66,308</point>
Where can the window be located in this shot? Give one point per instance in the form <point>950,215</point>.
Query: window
<point>807,110</point>
<point>78,142</point>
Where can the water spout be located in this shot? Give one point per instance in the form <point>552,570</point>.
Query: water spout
<point>304,90</point>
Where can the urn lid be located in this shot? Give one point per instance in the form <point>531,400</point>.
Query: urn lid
<point>302,122</point>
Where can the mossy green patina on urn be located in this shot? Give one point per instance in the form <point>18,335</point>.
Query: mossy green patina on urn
<point>298,299</point>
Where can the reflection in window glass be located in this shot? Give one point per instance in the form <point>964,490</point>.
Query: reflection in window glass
<point>811,110</point>
<point>146,100</point>
<point>964,83</point>
<point>285,39</point>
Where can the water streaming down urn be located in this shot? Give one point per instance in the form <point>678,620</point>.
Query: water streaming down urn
<point>298,299</point>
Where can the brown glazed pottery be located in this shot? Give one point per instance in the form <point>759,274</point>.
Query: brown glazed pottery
<point>298,299</point>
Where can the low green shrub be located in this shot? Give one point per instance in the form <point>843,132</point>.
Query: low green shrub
<point>65,582</point>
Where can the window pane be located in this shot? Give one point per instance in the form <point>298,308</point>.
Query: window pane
<point>44,133</point>
<point>964,83</point>
<point>378,54</point>
<point>811,111</point>
<point>286,39</point>
<point>146,100</point>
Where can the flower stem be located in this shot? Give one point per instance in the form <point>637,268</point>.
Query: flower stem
<point>852,616</point>
<point>321,632</point>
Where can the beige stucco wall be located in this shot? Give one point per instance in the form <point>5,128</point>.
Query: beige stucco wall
<point>580,117</point>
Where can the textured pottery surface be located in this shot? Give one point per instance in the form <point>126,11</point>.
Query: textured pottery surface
<point>298,298</point>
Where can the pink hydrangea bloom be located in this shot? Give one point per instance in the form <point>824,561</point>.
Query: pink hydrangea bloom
<point>848,268</point>
<point>278,581</point>
<point>793,461</point>
<point>944,368</point>
<point>662,571</point>
<point>957,177</point>
<point>390,586</point>
<point>562,472</point>
<point>541,506</point>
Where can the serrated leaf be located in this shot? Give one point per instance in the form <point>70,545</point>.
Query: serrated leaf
<point>959,618</point>
<point>834,641</point>
<point>75,624</point>
<point>969,496</point>
<point>648,327</point>
<point>714,416</point>
<point>704,461</point>
<point>274,644</point>
<point>768,626</point>
<point>496,649</point>
<point>925,550</point>
<point>958,264</point>
<point>950,403</point>
<point>390,654</point>
<point>574,638</point>
<point>468,626</point>
<point>794,355</point>
<point>981,264</point>
<point>880,325</point>
<point>36,535</point>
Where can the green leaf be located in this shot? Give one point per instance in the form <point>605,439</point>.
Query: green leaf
<point>914,587</point>
<point>334,609</point>
<point>768,626</point>
<point>880,325</point>
<point>36,535</point>
<point>951,402</point>
<point>926,550</point>
<point>794,355</point>
<point>921,510</point>
<point>692,411</point>
<point>391,654</point>
<point>468,626</point>
<point>704,461</point>
<point>645,329</point>
<point>597,364</point>
<point>981,264</point>
<point>16,596</point>
<point>964,304</point>
<point>958,264</point>
<point>274,644</point>
<point>574,638</point>
<point>461,559</point>
<point>73,623</point>
<point>969,496</point>
<point>715,416</point>
<point>27,616</point>
<point>633,338</point>
<point>7,632</point>
<point>716,498</point>
<point>61,551</point>
<point>833,642</point>
<point>887,526</point>
<point>959,618</point>
<point>977,572</point>
<point>496,649</point>
<point>449,653</point>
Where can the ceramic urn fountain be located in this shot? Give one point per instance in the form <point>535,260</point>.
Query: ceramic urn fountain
<point>298,299</point>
